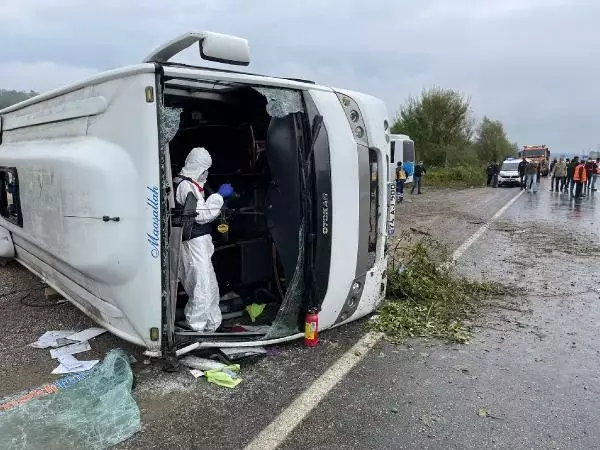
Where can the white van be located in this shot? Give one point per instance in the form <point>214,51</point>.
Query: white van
<point>509,173</point>
<point>402,149</point>
<point>87,201</point>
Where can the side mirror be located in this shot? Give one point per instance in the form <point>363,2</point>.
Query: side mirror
<point>215,47</point>
<point>225,49</point>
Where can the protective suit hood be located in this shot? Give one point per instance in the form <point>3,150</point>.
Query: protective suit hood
<point>197,163</point>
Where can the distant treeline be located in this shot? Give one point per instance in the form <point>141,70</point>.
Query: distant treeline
<point>446,133</point>
<point>8,98</point>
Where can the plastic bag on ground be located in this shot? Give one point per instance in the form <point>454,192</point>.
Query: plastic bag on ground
<point>227,376</point>
<point>96,413</point>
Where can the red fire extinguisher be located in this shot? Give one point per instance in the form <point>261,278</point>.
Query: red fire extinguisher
<point>311,328</point>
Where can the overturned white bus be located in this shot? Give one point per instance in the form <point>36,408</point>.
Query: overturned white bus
<point>86,198</point>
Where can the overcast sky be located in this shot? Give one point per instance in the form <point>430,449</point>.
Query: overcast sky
<point>533,64</point>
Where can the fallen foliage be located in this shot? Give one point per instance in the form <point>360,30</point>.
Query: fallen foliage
<point>427,298</point>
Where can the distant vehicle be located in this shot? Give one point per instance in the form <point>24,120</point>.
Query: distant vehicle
<point>538,153</point>
<point>402,149</point>
<point>509,173</point>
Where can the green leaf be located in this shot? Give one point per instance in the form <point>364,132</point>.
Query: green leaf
<point>483,412</point>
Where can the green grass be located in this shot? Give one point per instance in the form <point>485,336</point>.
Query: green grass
<point>427,298</point>
<point>456,177</point>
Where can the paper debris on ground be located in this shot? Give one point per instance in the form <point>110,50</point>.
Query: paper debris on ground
<point>64,341</point>
<point>70,349</point>
<point>196,373</point>
<point>69,361</point>
<point>82,367</point>
<point>86,335</point>
<point>51,338</point>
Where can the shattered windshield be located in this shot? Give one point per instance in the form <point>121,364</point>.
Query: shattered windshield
<point>281,102</point>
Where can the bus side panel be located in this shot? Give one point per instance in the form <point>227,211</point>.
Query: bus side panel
<point>88,187</point>
<point>375,114</point>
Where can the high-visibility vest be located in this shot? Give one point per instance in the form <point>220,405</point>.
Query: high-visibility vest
<point>580,173</point>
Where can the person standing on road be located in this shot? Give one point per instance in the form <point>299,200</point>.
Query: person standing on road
<point>400,180</point>
<point>596,174</point>
<point>590,169</point>
<point>491,170</point>
<point>567,179</point>
<point>570,171</point>
<point>559,172</point>
<point>522,169</point>
<point>580,178</point>
<point>417,176</point>
<point>551,172</point>
<point>496,173</point>
<point>584,193</point>
<point>531,176</point>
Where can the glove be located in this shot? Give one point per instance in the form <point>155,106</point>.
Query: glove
<point>225,191</point>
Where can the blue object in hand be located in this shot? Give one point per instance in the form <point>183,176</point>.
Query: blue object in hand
<point>225,191</point>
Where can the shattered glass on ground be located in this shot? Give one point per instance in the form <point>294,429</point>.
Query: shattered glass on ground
<point>96,413</point>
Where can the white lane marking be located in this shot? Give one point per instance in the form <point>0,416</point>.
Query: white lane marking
<point>465,245</point>
<point>279,429</point>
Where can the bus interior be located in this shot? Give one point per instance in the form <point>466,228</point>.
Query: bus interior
<point>256,138</point>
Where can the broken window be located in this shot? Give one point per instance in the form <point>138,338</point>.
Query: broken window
<point>374,203</point>
<point>169,124</point>
<point>10,206</point>
<point>281,102</point>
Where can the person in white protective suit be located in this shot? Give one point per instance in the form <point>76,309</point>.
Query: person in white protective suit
<point>196,271</point>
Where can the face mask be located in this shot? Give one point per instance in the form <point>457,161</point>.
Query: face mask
<point>203,177</point>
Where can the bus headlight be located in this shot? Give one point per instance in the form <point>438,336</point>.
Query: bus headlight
<point>355,119</point>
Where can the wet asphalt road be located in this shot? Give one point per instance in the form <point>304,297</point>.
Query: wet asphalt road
<point>532,363</point>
